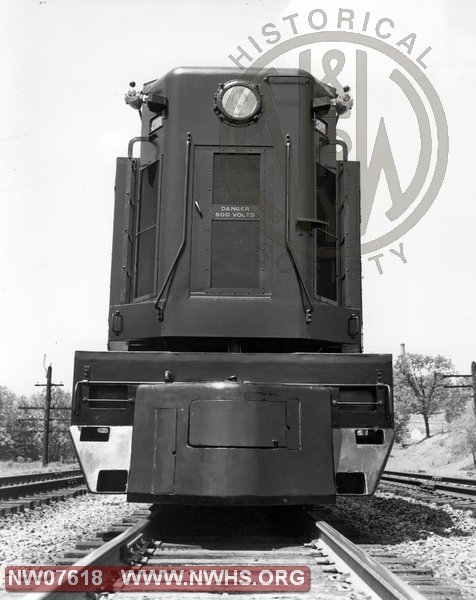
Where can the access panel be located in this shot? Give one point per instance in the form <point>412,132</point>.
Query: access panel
<point>254,424</point>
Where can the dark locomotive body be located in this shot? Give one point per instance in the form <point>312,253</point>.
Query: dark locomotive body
<point>234,372</point>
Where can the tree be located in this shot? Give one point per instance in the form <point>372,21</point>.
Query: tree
<point>29,428</point>
<point>419,387</point>
<point>8,423</point>
<point>456,403</point>
<point>464,433</point>
<point>61,446</point>
<point>22,428</point>
<point>467,423</point>
<point>470,436</point>
<point>403,411</point>
<point>31,439</point>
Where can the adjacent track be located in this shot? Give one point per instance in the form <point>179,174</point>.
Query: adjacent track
<point>459,493</point>
<point>18,492</point>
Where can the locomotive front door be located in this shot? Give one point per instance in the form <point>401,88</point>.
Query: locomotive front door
<point>231,199</point>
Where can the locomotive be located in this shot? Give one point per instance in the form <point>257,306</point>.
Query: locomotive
<point>234,372</point>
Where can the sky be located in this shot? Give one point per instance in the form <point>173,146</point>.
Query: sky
<point>66,66</point>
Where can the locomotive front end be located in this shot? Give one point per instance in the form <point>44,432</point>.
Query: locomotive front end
<point>230,428</point>
<point>235,372</point>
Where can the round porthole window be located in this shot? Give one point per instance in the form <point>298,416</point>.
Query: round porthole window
<point>238,102</point>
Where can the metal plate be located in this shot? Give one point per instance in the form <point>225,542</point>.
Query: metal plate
<point>252,424</point>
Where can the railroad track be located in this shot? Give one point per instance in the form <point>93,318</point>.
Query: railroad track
<point>341,564</point>
<point>459,493</point>
<point>18,492</point>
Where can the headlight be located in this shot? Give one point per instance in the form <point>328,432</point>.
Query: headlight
<point>238,102</point>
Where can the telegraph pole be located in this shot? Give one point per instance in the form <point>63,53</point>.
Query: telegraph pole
<point>471,385</point>
<point>47,413</point>
<point>473,375</point>
<point>46,420</point>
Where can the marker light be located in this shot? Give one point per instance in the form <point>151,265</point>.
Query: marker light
<point>320,126</point>
<point>156,123</point>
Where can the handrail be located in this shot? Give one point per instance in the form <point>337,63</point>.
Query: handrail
<point>160,302</point>
<point>308,310</point>
<point>343,145</point>
<point>130,146</point>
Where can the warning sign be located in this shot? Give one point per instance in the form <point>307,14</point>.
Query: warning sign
<point>232,212</point>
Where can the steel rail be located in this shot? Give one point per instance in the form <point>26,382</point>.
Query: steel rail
<point>465,487</point>
<point>458,480</point>
<point>30,477</point>
<point>373,576</point>
<point>382,582</point>
<point>109,554</point>
<point>27,486</point>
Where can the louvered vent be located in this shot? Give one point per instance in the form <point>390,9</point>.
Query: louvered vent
<point>235,225</point>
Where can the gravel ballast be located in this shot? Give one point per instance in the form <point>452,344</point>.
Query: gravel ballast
<point>435,536</point>
<point>438,537</point>
<point>40,536</point>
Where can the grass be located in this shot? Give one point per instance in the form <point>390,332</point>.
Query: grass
<point>10,467</point>
<point>441,454</point>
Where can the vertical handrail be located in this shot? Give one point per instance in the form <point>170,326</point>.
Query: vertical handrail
<point>340,248</point>
<point>131,190</point>
<point>160,301</point>
<point>128,219</point>
<point>308,310</point>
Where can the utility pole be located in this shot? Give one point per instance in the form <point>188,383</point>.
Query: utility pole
<point>47,414</point>
<point>473,375</point>
<point>466,385</point>
<point>471,385</point>
<point>46,420</point>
